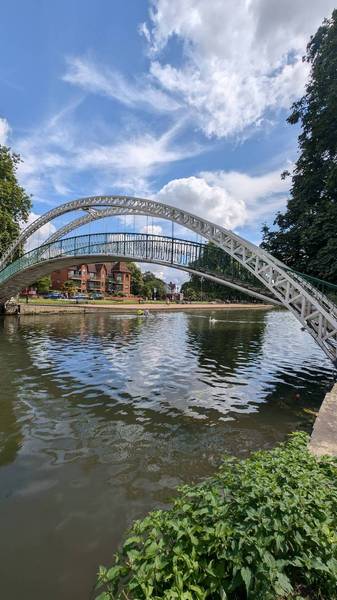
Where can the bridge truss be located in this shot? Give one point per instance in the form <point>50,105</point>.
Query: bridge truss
<point>315,311</point>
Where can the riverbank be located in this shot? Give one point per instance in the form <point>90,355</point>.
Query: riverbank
<point>324,436</point>
<point>41,308</point>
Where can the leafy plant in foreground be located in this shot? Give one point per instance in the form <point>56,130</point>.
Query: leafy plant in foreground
<point>261,528</point>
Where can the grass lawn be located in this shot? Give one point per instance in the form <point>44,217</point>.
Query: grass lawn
<point>43,301</point>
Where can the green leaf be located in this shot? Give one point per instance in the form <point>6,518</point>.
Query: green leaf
<point>104,596</point>
<point>283,584</point>
<point>246,575</point>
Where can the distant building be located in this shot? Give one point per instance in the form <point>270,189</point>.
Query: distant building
<point>105,278</point>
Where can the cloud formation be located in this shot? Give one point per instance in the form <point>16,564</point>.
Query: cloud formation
<point>40,236</point>
<point>55,153</point>
<point>239,59</point>
<point>153,229</point>
<point>4,131</point>
<point>229,198</point>
<point>99,79</point>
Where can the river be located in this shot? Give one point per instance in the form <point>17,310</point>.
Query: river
<point>103,415</point>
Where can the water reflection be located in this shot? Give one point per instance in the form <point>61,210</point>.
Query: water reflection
<point>11,436</point>
<point>103,415</point>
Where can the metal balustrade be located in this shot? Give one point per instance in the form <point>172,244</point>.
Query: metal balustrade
<point>176,252</point>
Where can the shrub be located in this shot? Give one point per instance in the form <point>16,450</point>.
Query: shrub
<point>261,528</point>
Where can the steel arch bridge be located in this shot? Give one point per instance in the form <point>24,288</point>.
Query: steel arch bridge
<point>186,255</point>
<point>315,311</point>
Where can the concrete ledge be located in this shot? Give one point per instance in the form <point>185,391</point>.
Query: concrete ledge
<point>324,435</point>
<point>36,309</point>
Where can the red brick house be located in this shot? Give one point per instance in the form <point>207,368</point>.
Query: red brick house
<point>106,278</point>
<point>120,279</point>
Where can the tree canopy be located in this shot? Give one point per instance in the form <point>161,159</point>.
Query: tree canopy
<point>305,237</point>
<point>43,284</point>
<point>151,283</point>
<point>217,262</point>
<point>143,284</point>
<point>15,203</point>
<point>137,283</point>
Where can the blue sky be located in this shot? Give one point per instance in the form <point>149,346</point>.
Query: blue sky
<point>184,101</point>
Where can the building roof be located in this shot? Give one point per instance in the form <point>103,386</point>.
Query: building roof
<point>110,266</point>
<point>120,267</point>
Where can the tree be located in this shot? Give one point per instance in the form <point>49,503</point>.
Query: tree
<point>137,283</point>
<point>211,291</point>
<point>214,260</point>
<point>152,282</point>
<point>70,286</point>
<point>43,284</point>
<point>306,233</point>
<point>15,204</point>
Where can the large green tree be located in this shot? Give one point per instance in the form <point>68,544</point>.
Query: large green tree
<point>215,261</point>
<point>142,284</point>
<point>305,237</point>
<point>43,284</point>
<point>15,204</point>
<point>137,283</point>
<point>151,283</point>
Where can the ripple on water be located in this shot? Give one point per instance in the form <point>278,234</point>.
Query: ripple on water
<point>101,416</point>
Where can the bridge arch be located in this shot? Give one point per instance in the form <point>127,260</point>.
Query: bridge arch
<point>316,313</point>
<point>98,248</point>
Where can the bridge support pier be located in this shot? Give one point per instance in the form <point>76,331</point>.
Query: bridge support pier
<point>9,308</point>
<point>324,435</point>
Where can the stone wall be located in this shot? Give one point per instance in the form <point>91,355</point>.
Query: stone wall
<point>324,435</point>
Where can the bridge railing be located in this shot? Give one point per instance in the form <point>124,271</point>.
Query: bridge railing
<point>134,246</point>
<point>197,256</point>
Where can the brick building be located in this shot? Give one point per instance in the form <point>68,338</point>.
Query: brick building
<point>105,278</point>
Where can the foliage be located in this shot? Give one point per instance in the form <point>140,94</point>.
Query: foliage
<point>137,283</point>
<point>217,262</point>
<point>70,286</point>
<point>212,291</point>
<point>43,284</point>
<point>306,234</point>
<point>261,528</point>
<point>152,282</point>
<point>190,293</point>
<point>142,284</point>
<point>14,202</point>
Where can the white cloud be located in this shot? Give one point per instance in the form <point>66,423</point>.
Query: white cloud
<point>59,150</point>
<point>99,79</point>
<point>153,229</point>
<point>141,153</point>
<point>41,235</point>
<point>4,131</point>
<point>262,195</point>
<point>239,59</point>
<point>228,198</point>
<point>197,196</point>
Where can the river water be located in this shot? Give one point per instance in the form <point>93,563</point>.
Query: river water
<point>103,415</point>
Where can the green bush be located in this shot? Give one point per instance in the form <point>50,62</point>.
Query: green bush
<point>261,528</point>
